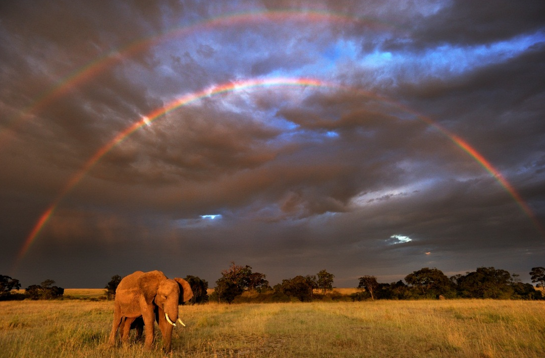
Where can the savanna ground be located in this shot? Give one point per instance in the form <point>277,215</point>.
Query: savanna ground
<point>450,328</point>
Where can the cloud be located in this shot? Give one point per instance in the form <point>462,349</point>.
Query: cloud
<point>477,23</point>
<point>303,177</point>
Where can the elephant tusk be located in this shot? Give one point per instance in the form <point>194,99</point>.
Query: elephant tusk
<point>169,321</point>
<point>179,320</point>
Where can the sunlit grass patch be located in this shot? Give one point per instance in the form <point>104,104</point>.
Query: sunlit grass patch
<point>457,328</point>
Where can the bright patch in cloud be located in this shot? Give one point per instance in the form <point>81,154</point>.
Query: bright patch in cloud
<point>211,217</point>
<point>401,239</point>
<point>201,221</point>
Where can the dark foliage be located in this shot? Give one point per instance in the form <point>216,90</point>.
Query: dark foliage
<point>45,291</point>
<point>236,280</point>
<point>7,284</point>
<point>111,286</point>
<point>526,291</point>
<point>199,288</point>
<point>226,290</point>
<point>324,281</point>
<point>538,276</point>
<point>369,284</point>
<point>486,282</point>
<point>299,287</point>
<point>430,283</point>
<point>426,283</point>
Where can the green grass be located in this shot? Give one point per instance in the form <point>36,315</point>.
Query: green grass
<point>457,328</point>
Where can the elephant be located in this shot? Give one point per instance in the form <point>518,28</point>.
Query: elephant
<point>151,296</point>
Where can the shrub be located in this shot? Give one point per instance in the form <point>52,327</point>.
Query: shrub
<point>45,291</point>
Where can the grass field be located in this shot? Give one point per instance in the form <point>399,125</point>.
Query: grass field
<point>84,293</point>
<point>457,328</point>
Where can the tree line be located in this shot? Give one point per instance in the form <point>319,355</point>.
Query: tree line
<point>242,284</point>
<point>484,282</point>
<point>44,291</point>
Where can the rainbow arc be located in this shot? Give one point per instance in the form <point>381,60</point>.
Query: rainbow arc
<point>116,56</point>
<point>253,83</point>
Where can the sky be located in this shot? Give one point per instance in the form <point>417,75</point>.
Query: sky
<point>360,137</point>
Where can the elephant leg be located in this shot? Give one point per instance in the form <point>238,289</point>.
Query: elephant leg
<point>122,327</point>
<point>149,318</point>
<point>125,329</point>
<point>115,325</point>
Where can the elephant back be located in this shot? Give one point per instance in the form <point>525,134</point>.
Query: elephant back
<point>148,283</point>
<point>130,281</point>
<point>141,284</point>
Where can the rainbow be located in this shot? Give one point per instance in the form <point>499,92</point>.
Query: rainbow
<point>500,178</point>
<point>260,82</point>
<point>93,68</point>
<point>147,120</point>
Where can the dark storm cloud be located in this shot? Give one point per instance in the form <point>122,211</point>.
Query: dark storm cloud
<point>471,23</point>
<point>500,105</point>
<point>287,179</point>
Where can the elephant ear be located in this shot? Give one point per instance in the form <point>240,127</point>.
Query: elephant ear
<point>148,284</point>
<point>186,292</point>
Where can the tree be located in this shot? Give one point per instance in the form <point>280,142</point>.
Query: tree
<point>257,281</point>
<point>7,284</point>
<point>525,291</point>
<point>312,282</point>
<point>34,292</point>
<point>538,275</point>
<point>325,281</point>
<point>199,288</point>
<point>45,291</point>
<point>111,286</point>
<point>238,275</point>
<point>49,291</point>
<point>237,279</point>
<point>227,290</point>
<point>299,287</point>
<point>429,282</point>
<point>370,284</point>
<point>486,282</point>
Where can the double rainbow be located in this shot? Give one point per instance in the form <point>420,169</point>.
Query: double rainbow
<point>95,67</point>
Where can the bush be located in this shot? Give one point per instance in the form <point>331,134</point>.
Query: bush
<point>111,287</point>
<point>299,287</point>
<point>45,291</point>
<point>7,284</point>
<point>199,288</point>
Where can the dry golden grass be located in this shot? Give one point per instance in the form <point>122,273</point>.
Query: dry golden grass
<point>457,328</point>
<point>346,291</point>
<point>85,292</point>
